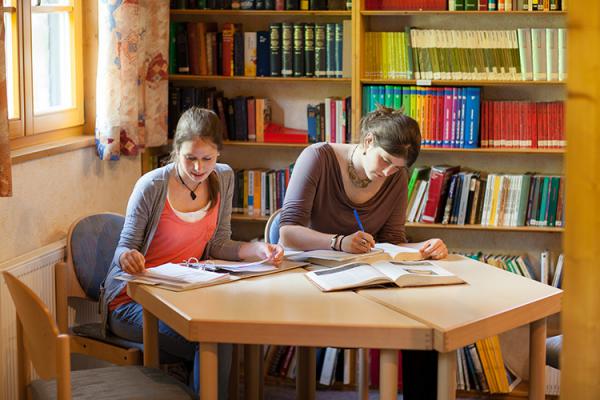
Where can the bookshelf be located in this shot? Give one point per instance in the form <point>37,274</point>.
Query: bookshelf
<point>290,95</point>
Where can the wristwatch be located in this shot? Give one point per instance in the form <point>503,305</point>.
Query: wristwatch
<point>333,241</point>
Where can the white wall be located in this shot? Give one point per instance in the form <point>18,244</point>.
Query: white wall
<point>50,193</point>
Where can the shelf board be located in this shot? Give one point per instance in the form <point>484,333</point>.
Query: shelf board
<point>312,13</point>
<point>185,77</point>
<point>545,229</point>
<point>499,150</point>
<point>450,82</point>
<point>261,144</point>
<point>247,217</point>
<point>507,150</point>
<point>536,229</point>
<point>384,13</point>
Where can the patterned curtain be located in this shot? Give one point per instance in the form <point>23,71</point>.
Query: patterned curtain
<point>5,175</point>
<point>132,80</point>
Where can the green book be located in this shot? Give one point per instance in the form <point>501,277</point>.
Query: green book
<point>173,47</point>
<point>542,216</point>
<point>397,97</point>
<point>389,96</point>
<point>418,173</point>
<point>555,184</point>
<point>523,199</point>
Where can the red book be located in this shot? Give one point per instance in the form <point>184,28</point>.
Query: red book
<point>203,54</point>
<point>193,48</point>
<point>227,60</point>
<point>533,125</point>
<point>374,369</point>
<point>436,192</point>
<point>333,120</point>
<point>275,133</point>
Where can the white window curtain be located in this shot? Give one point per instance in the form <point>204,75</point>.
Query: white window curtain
<point>132,77</point>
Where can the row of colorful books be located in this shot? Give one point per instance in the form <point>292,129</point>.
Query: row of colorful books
<point>444,194</point>
<point>550,268</point>
<point>523,124</point>
<point>537,54</point>
<point>242,118</point>
<point>279,5</point>
<point>260,192</point>
<point>468,5</point>
<point>481,367</point>
<point>321,50</point>
<point>330,121</point>
<point>454,117</point>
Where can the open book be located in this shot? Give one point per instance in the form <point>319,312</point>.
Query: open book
<point>381,252</point>
<point>180,277</point>
<point>176,277</point>
<point>401,273</point>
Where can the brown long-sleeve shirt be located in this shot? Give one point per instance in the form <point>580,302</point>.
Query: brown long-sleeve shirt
<point>316,198</point>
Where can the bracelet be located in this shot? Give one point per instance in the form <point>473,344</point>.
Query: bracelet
<point>334,241</point>
<point>342,241</point>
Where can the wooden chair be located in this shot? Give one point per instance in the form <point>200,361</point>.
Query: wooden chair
<point>39,340</point>
<point>272,228</point>
<point>91,244</point>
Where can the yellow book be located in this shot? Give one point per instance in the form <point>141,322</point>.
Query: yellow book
<point>485,363</point>
<point>493,217</point>
<point>499,362</point>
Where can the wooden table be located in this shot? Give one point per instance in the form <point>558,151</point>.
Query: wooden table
<point>493,301</point>
<point>280,309</point>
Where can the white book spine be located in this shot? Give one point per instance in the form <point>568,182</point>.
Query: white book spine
<point>544,266</point>
<point>562,54</point>
<point>552,54</point>
<point>538,53</point>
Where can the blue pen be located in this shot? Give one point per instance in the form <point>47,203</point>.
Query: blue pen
<point>360,225</point>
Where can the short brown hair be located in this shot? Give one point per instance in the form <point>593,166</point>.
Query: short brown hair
<point>200,123</point>
<point>393,131</point>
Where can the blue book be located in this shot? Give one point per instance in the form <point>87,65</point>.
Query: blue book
<point>311,114</point>
<point>472,118</point>
<point>263,54</point>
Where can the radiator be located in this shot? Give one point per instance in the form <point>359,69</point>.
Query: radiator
<point>36,269</point>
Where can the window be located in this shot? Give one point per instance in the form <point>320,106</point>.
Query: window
<point>43,65</point>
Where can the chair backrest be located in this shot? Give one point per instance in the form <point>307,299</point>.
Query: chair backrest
<point>39,331</point>
<point>91,244</point>
<point>272,228</point>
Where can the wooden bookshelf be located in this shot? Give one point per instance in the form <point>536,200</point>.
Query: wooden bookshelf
<point>532,229</point>
<point>263,144</point>
<point>500,150</point>
<point>394,13</point>
<point>183,77</point>
<point>450,82</point>
<point>264,13</point>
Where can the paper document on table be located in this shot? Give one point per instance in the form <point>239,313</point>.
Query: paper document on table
<point>235,266</point>
<point>176,277</point>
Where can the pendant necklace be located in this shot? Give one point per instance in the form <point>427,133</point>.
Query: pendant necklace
<point>192,192</point>
<point>353,174</point>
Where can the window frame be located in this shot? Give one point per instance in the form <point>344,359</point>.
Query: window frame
<point>48,125</point>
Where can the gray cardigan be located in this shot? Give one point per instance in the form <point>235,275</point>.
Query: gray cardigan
<point>143,213</point>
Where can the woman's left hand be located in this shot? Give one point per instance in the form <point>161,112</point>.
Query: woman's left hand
<point>272,252</point>
<point>435,249</point>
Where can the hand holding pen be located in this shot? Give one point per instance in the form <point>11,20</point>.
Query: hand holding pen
<point>360,241</point>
